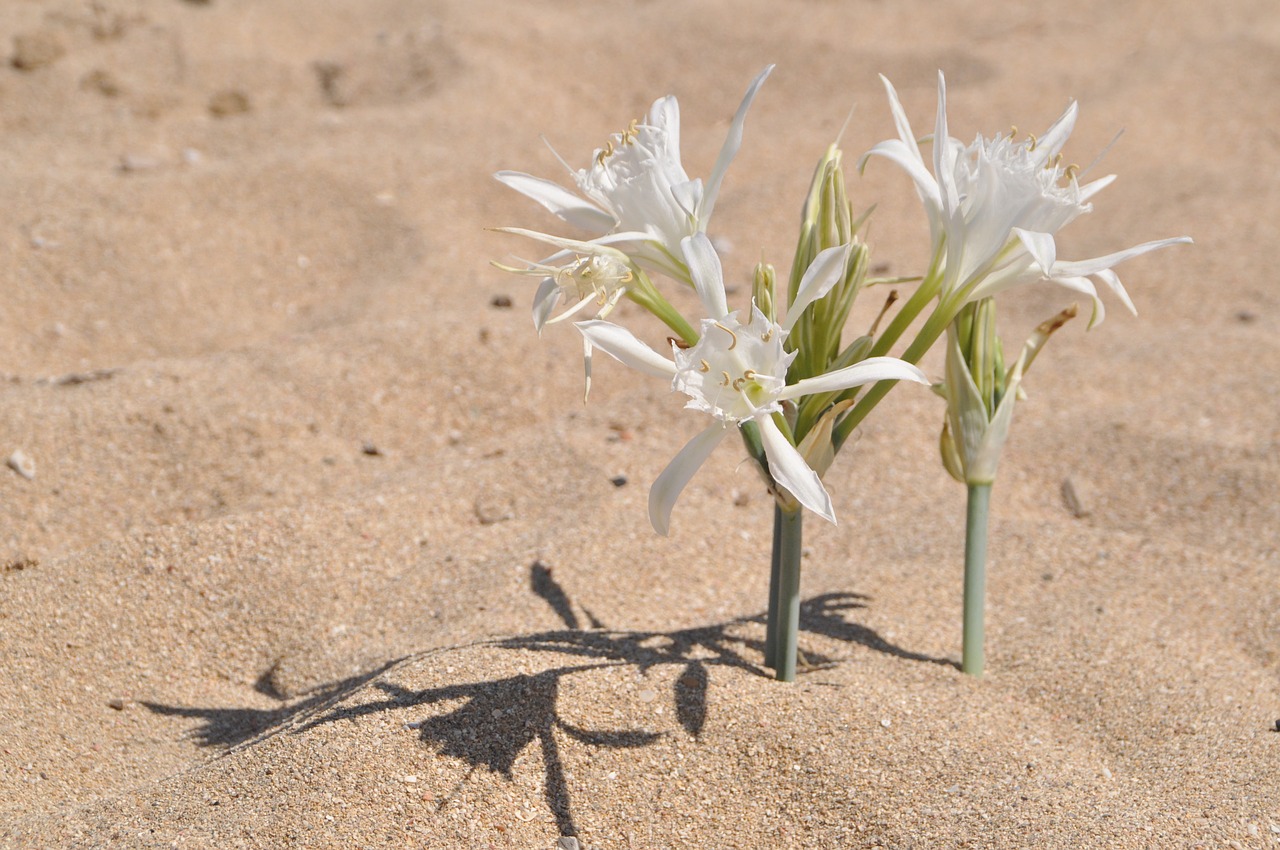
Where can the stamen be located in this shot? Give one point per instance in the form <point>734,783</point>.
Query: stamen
<point>1031,145</point>
<point>733,344</point>
<point>704,366</point>
<point>725,380</point>
<point>1071,171</point>
<point>629,134</point>
<point>1055,162</point>
<point>1013,132</point>
<point>740,383</point>
<point>605,153</point>
<point>749,374</point>
<point>767,335</point>
<point>888,302</point>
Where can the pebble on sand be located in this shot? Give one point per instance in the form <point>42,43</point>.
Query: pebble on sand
<point>23,464</point>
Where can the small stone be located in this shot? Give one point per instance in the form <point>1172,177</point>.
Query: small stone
<point>1246,316</point>
<point>117,704</point>
<point>648,696</point>
<point>1278,724</point>
<point>886,722</point>
<point>102,82</point>
<point>502,302</point>
<point>492,509</point>
<point>36,50</point>
<point>1071,498</point>
<point>22,463</point>
<point>411,779</point>
<point>131,162</point>
<point>618,480</point>
<point>370,449</point>
<point>567,842</point>
<point>229,102</point>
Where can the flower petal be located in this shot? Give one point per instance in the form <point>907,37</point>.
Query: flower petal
<point>1041,246</point>
<point>909,159</point>
<point>544,302</point>
<point>787,467</point>
<point>869,371</point>
<point>1048,145</point>
<point>732,141</point>
<point>620,344</point>
<point>668,486</point>
<point>558,200</point>
<point>824,272</point>
<point>1097,264</point>
<point>707,274</point>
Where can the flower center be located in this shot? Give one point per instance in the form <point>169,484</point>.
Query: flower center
<point>596,276</point>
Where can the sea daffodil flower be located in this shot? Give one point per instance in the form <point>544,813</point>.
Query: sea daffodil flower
<point>581,273</point>
<point>995,205</point>
<point>737,373</point>
<point>636,194</point>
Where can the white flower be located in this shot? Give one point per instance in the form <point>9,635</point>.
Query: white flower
<point>737,372</point>
<point>581,273</point>
<point>995,205</point>
<point>636,193</point>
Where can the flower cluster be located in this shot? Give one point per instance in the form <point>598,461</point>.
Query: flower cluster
<point>777,370</point>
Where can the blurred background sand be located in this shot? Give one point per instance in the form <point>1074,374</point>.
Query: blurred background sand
<point>320,547</point>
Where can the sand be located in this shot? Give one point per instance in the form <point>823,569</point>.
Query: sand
<point>322,548</point>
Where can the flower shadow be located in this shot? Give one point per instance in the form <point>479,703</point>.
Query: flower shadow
<point>489,723</point>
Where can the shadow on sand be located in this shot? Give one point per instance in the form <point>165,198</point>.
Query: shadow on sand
<point>498,718</point>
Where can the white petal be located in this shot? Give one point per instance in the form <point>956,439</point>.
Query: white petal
<point>900,119</point>
<point>1041,246</point>
<point>1048,145</point>
<point>1097,264</point>
<point>574,245</point>
<point>944,152</point>
<point>558,200</point>
<point>1092,188</point>
<point>544,302</point>
<point>1112,280</point>
<point>908,157</point>
<point>708,276</point>
<point>620,344</point>
<point>732,141</point>
<point>824,272</point>
<point>788,468</point>
<point>667,487</point>
<point>687,196</point>
<point>869,371</point>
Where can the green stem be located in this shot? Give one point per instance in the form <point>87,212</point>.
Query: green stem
<point>933,328</point>
<point>975,577</point>
<point>788,627</point>
<point>652,300</point>
<point>775,575</point>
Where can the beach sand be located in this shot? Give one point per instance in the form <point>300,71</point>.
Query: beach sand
<point>321,547</point>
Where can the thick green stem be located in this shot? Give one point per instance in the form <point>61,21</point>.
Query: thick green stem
<point>933,328</point>
<point>775,576</point>
<point>975,577</point>
<point>788,592</point>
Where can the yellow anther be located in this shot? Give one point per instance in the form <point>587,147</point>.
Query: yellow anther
<point>605,153</point>
<point>1031,145</point>
<point>733,344</point>
<point>749,374</point>
<point>1013,131</point>
<point>767,335</point>
<point>629,134</point>
<point>725,379</point>
<point>1071,171</point>
<point>1055,162</point>
<point>704,366</point>
<point>739,383</point>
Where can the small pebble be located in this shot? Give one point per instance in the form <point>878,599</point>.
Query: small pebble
<point>648,696</point>
<point>117,704</point>
<point>1070,498</point>
<point>22,463</point>
<point>411,779</point>
<point>500,301</point>
<point>567,842</point>
<point>228,102</point>
<point>1278,724</point>
<point>493,509</point>
<point>886,722</point>
<point>370,449</point>
<point>618,480</point>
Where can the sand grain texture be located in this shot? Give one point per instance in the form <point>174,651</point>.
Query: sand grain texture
<point>320,547</point>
